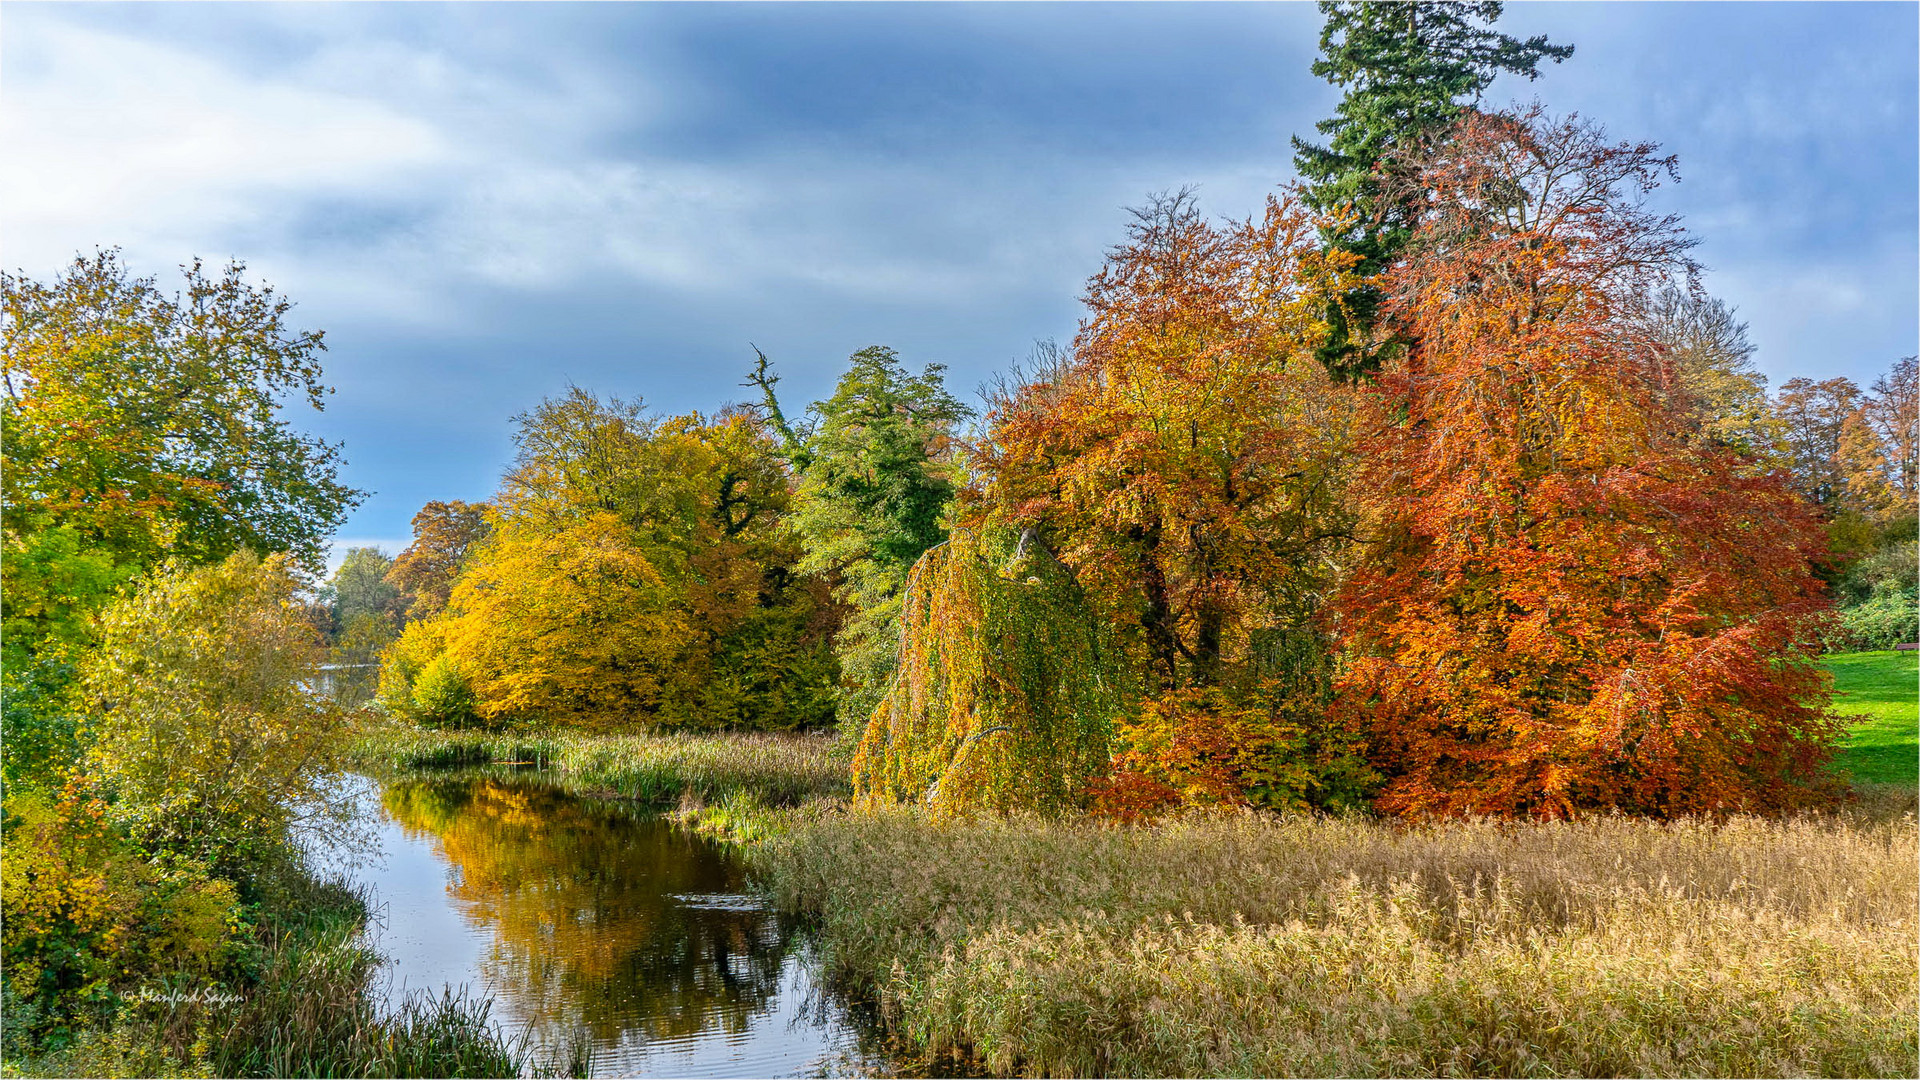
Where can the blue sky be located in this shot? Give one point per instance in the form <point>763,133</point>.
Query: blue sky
<point>481,203</point>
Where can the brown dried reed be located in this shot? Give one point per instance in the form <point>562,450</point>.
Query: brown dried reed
<point>1308,946</point>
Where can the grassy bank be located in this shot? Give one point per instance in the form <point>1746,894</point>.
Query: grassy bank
<point>300,998</point>
<point>665,771</point>
<point>1311,946</point>
<point>1883,688</point>
<point>1250,945</point>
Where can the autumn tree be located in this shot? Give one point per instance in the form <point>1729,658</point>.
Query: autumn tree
<point>1409,69</point>
<point>1892,414</point>
<point>1813,416</point>
<point>635,575</point>
<point>1722,395</point>
<point>1183,464</point>
<point>152,424</point>
<point>444,535</point>
<point>139,427</point>
<point>1870,514</point>
<point>1007,686</point>
<point>1872,458</point>
<point>1175,480</point>
<point>875,465</point>
<point>200,724</point>
<point>1566,604</point>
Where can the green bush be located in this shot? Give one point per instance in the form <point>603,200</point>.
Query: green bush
<point>442,697</point>
<point>1886,619</point>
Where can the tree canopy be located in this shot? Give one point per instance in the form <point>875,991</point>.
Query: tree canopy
<point>633,573</point>
<point>1569,604</point>
<point>152,424</point>
<point>1409,70</point>
<point>876,475</point>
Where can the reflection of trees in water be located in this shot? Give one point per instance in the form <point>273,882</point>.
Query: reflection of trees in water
<point>579,898</point>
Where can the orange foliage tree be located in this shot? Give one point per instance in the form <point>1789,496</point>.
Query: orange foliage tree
<point>1565,604</point>
<point>1184,462</point>
<point>1185,465</point>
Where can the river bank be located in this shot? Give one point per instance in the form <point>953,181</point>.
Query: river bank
<point>1309,945</point>
<point>299,995</point>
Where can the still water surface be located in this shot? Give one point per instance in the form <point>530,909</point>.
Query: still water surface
<point>582,916</point>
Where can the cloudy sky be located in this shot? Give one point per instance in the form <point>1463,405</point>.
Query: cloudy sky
<point>482,203</point>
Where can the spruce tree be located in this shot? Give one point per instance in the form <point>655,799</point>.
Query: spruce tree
<point>1409,70</point>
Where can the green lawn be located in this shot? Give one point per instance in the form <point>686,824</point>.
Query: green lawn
<point>1884,687</point>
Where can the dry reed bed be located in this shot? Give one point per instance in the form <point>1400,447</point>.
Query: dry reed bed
<point>1310,946</point>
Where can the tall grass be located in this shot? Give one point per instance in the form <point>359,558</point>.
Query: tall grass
<point>308,1008</point>
<point>1313,946</point>
<point>661,770</point>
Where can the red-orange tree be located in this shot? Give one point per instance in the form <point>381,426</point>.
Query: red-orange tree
<point>1565,605</point>
<point>1185,465</point>
<point>1184,461</point>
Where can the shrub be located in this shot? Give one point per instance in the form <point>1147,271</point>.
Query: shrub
<point>401,663</point>
<point>442,697</point>
<point>204,738</point>
<point>86,916</point>
<point>1890,617</point>
<point>1205,747</point>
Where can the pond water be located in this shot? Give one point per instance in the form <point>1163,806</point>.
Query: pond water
<point>579,917</point>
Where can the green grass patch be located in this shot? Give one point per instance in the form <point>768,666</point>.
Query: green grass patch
<point>1881,689</point>
<point>663,771</point>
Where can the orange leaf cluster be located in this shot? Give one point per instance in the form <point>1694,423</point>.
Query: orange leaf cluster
<point>1568,605</point>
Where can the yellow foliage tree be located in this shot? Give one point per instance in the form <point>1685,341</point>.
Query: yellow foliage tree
<point>201,725</point>
<point>573,623</point>
<point>634,575</point>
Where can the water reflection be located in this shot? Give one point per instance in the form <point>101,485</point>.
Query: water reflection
<point>578,915</point>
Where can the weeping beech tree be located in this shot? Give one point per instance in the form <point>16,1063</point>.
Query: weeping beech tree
<point>1175,483</point>
<point>1006,690</point>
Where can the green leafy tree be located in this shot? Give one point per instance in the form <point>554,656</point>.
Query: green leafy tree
<point>442,693</point>
<point>55,581</point>
<point>55,585</point>
<point>1409,69</point>
<point>201,728</point>
<point>152,424</point>
<point>363,615</point>
<point>360,587</point>
<point>876,476</point>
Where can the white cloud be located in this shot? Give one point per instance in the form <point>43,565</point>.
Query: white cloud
<point>383,180</point>
<point>114,140</point>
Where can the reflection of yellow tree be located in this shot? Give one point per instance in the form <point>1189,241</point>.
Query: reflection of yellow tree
<point>579,898</point>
